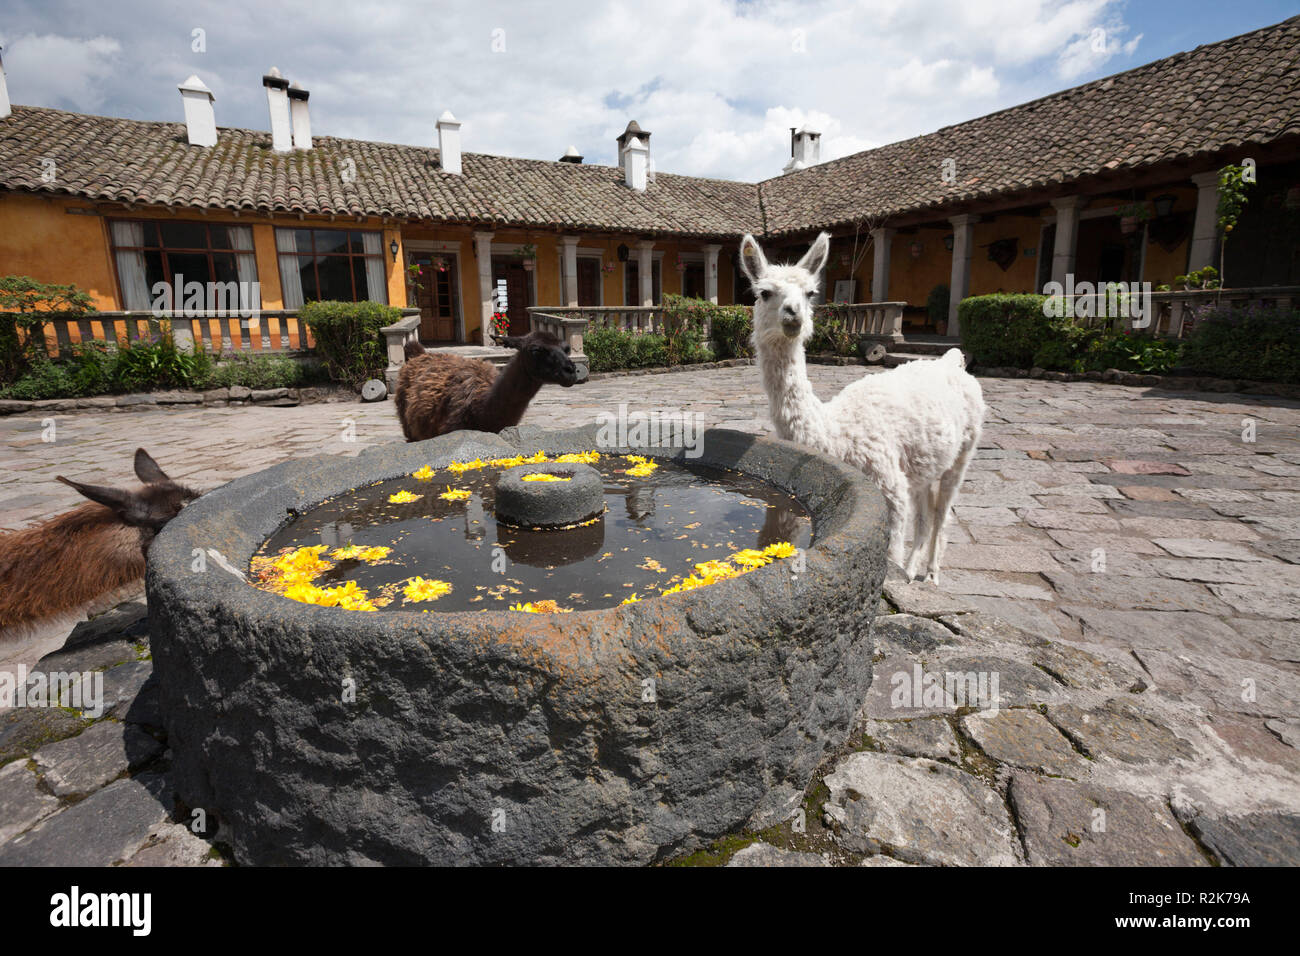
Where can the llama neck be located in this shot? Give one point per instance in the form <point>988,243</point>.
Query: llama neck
<point>505,403</point>
<point>796,411</point>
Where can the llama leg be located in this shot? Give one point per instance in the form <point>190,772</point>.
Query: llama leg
<point>949,485</point>
<point>900,517</point>
<point>922,510</point>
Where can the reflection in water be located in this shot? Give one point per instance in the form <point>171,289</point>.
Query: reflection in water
<point>644,543</point>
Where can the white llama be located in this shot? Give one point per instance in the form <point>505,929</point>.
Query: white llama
<point>913,429</point>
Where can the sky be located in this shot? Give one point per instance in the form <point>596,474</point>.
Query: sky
<point>718,83</point>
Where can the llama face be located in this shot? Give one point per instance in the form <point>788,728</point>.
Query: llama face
<point>783,294</point>
<point>546,358</point>
<point>149,508</point>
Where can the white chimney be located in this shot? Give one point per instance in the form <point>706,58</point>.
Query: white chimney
<point>805,149</point>
<point>5,108</point>
<point>200,120</point>
<point>449,143</point>
<point>633,130</point>
<point>298,115</point>
<point>277,98</point>
<point>635,160</point>
<point>571,155</point>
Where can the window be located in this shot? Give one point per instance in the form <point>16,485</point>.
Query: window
<point>693,280</point>
<point>632,283</point>
<point>148,252</point>
<point>346,265</point>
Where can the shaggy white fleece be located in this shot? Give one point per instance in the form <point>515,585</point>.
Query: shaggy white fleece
<point>912,429</point>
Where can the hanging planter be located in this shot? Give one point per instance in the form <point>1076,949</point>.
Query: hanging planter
<point>528,253</point>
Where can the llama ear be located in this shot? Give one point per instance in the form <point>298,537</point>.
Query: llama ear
<point>815,258</point>
<point>752,261</point>
<point>147,470</point>
<point>114,498</point>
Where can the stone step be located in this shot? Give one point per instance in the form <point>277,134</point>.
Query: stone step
<point>893,359</point>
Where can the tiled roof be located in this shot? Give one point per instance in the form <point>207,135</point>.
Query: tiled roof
<point>1230,94</point>
<point>121,160</point>
<point>1220,96</point>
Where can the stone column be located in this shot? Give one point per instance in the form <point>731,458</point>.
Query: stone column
<point>963,231</point>
<point>569,260</point>
<point>1205,227</point>
<point>483,252</point>
<point>881,240</point>
<point>711,272</point>
<point>645,270</point>
<point>1067,236</point>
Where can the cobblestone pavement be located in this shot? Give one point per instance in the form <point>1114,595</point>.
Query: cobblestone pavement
<point>1125,561</point>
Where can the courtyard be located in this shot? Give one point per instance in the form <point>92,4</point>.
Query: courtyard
<point>1128,559</point>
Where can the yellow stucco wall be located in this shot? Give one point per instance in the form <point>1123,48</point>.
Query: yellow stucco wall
<point>38,238</point>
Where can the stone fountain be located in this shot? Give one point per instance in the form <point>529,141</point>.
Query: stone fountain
<point>619,735</point>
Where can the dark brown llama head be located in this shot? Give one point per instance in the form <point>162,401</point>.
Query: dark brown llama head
<point>545,358</point>
<point>149,507</point>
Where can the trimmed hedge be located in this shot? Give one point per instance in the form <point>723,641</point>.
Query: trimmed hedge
<point>610,350</point>
<point>1256,343</point>
<point>347,337</point>
<point>1007,329</point>
<point>731,326</point>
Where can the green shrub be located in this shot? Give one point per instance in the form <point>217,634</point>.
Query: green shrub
<point>607,349</point>
<point>1006,329</point>
<point>1128,352</point>
<point>1256,342</point>
<point>258,372</point>
<point>25,306</point>
<point>348,340</point>
<point>831,332</point>
<point>147,365</point>
<point>90,365</point>
<point>610,349</point>
<point>43,379</point>
<point>730,325</point>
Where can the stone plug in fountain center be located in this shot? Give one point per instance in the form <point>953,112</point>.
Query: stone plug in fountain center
<point>460,732</point>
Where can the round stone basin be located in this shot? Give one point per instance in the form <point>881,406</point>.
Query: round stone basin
<point>619,734</point>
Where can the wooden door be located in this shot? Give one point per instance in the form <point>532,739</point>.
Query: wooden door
<point>588,281</point>
<point>437,295</point>
<point>518,292</point>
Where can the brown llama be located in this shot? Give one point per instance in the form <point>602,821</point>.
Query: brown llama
<point>75,562</point>
<point>439,393</point>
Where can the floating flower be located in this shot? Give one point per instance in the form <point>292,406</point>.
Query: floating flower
<point>347,596</point>
<point>543,476</point>
<point>716,571</point>
<point>403,498</point>
<point>781,549</point>
<point>347,552</point>
<point>455,494</point>
<point>424,474</point>
<point>642,471</point>
<point>579,458</point>
<point>374,554</point>
<point>650,564</point>
<point>631,599</point>
<point>541,607</point>
<point>424,589</point>
<point>749,558</point>
<point>460,467</point>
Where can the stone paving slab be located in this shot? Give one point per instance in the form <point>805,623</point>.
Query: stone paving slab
<point>1137,657</point>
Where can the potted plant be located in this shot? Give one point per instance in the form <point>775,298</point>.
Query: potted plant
<point>528,253</point>
<point>1131,215</point>
<point>500,325</point>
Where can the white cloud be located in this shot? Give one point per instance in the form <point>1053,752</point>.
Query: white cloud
<point>60,71</point>
<point>718,83</point>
